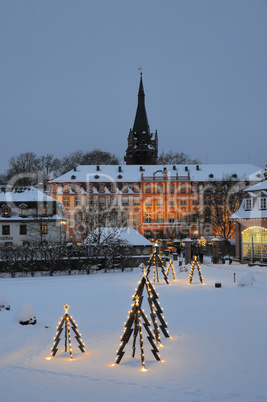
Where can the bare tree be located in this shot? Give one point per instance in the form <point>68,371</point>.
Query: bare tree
<point>220,200</point>
<point>175,158</point>
<point>95,157</point>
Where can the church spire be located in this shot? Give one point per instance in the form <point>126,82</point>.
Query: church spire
<point>141,125</point>
<point>142,147</point>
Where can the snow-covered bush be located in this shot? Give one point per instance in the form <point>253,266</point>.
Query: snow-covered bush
<point>4,303</point>
<point>247,280</point>
<point>26,315</point>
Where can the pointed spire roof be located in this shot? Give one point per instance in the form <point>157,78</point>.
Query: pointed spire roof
<point>141,123</point>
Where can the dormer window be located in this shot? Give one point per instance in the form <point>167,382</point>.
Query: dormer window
<point>248,204</point>
<point>90,188</point>
<point>125,188</point>
<point>263,203</point>
<point>113,188</point>
<point>101,188</point>
<point>136,188</point>
<point>6,211</point>
<point>23,210</point>
<point>66,188</point>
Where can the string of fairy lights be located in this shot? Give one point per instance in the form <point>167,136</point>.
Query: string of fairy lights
<point>137,320</point>
<point>67,319</point>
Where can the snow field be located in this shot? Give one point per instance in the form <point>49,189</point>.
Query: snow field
<point>218,350</point>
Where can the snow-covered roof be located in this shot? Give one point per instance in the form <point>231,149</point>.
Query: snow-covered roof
<point>129,234</point>
<point>132,173</point>
<point>24,195</point>
<point>255,193</point>
<point>258,187</point>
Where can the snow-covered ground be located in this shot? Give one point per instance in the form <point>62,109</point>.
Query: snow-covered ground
<point>218,351</point>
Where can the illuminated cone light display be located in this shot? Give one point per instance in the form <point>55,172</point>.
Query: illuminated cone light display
<point>65,322</point>
<point>173,270</point>
<point>157,262</point>
<point>195,263</point>
<point>134,323</point>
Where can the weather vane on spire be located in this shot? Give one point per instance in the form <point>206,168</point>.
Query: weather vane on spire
<point>140,69</point>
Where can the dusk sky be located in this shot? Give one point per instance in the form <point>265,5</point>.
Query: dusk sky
<point>70,76</point>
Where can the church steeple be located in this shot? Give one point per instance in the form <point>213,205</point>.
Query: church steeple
<point>142,148</point>
<point>141,123</point>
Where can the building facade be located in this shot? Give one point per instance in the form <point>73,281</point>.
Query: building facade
<point>29,217</point>
<point>158,201</point>
<point>251,225</point>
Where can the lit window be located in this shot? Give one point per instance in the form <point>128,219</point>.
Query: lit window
<point>44,229</point>
<point>6,211</point>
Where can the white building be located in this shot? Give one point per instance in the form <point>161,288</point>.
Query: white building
<point>28,216</point>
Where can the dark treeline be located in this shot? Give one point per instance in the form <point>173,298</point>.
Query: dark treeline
<point>64,258</point>
<point>29,169</point>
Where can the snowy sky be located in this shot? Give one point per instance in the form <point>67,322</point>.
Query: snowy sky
<point>69,76</point>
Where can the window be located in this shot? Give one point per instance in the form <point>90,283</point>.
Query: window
<point>125,201</point>
<point>195,201</point>
<point>23,229</point>
<point>136,188</point>
<point>101,188</point>
<point>66,201</point>
<point>263,203</point>
<point>89,201</point>
<point>6,211</point>
<point>54,189</point>
<point>77,201</point>
<point>171,189</point>
<point>44,229</point>
<point>248,204</point>
<point>183,201</point>
<point>23,210</point>
<point>148,201</point>
<point>66,188</point>
<point>136,201</point>
<point>159,201</point>
<point>148,188</point>
<point>78,188</point>
<point>171,201</point>
<point>44,210</point>
<point>101,201</point>
<point>90,188</point>
<point>5,230</point>
<point>159,189</point>
<point>183,188</point>
<point>125,188</point>
<point>254,244</point>
<point>113,188</point>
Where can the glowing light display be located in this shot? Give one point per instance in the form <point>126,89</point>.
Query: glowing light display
<point>66,320</point>
<point>195,263</point>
